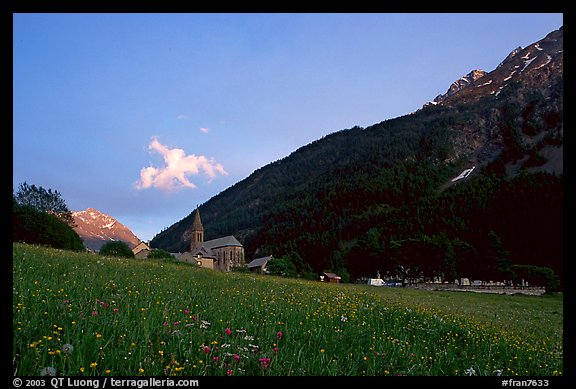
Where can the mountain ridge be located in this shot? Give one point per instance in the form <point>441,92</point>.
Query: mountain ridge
<point>322,199</point>
<point>96,228</point>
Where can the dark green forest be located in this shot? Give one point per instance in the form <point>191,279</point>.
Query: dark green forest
<point>364,200</point>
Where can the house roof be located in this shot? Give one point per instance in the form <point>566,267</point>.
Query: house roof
<point>259,262</point>
<point>140,246</point>
<point>332,275</point>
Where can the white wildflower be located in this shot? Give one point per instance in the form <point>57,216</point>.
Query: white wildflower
<point>48,371</point>
<point>67,348</point>
<point>470,371</point>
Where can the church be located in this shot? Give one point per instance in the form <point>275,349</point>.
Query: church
<point>217,254</point>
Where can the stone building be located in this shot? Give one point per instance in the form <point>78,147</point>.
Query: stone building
<point>217,254</point>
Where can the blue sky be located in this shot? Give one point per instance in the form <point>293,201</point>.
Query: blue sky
<point>145,116</point>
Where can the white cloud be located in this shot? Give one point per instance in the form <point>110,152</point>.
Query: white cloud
<point>182,117</point>
<point>204,130</point>
<point>177,167</point>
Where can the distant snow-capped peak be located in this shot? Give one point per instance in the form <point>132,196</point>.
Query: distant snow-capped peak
<point>96,228</point>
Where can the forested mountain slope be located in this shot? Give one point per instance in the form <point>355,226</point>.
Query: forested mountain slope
<point>386,197</point>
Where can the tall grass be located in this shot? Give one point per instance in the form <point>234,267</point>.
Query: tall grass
<point>82,314</point>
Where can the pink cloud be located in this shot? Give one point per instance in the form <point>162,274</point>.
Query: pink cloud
<point>178,166</point>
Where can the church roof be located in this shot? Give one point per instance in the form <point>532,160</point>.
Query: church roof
<point>222,242</point>
<point>203,251</point>
<point>197,223</point>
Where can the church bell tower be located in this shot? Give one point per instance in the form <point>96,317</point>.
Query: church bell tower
<point>197,231</point>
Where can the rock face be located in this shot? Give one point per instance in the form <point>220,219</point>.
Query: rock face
<point>96,228</point>
<point>514,111</point>
<point>460,84</point>
<point>538,66</point>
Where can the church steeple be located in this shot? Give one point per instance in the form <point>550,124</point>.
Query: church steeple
<point>197,231</point>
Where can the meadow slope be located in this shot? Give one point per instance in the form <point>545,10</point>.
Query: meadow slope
<point>83,314</point>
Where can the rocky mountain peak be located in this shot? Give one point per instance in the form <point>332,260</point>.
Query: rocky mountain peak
<point>96,228</point>
<point>538,65</point>
<point>461,83</point>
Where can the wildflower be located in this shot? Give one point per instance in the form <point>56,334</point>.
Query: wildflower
<point>264,363</point>
<point>498,372</point>
<point>229,372</point>
<point>94,313</point>
<point>275,350</point>
<point>67,348</point>
<point>93,365</point>
<point>343,318</point>
<point>215,358</point>
<point>116,310</point>
<point>141,371</point>
<point>236,357</point>
<point>48,371</point>
<point>279,335</point>
<point>228,331</point>
<point>206,349</point>
<point>470,372</point>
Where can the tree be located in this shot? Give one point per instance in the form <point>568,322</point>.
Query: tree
<point>159,254</point>
<point>116,248</point>
<point>536,275</point>
<point>34,227</point>
<point>44,200</point>
<point>281,267</point>
<point>501,256</point>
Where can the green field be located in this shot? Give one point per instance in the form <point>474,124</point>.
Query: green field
<point>83,314</point>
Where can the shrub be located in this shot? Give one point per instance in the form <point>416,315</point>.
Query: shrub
<point>116,248</point>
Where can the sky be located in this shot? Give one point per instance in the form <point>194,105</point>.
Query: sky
<point>145,116</point>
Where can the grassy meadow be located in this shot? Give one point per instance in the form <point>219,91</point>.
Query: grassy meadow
<point>83,314</point>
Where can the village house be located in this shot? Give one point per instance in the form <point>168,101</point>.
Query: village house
<point>141,250</point>
<point>221,254</point>
<point>258,265</point>
<point>330,277</point>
